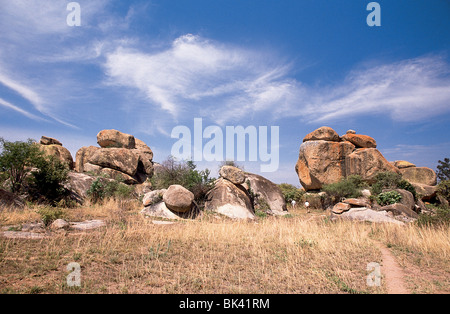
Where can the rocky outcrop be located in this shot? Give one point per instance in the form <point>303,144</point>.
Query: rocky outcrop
<point>367,163</point>
<point>402,164</point>
<point>82,157</point>
<point>52,147</point>
<point>266,193</point>
<point>322,134</point>
<point>120,156</point>
<point>420,175</point>
<point>120,159</point>
<point>115,139</point>
<point>233,174</point>
<point>49,141</point>
<point>322,162</point>
<point>326,158</point>
<point>360,141</point>
<point>173,203</point>
<point>230,200</point>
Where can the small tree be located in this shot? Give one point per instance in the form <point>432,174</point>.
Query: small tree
<point>443,169</point>
<point>291,193</point>
<point>16,159</point>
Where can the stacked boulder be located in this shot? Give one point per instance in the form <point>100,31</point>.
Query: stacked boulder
<point>53,147</point>
<point>120,156</point>
<point>236,194</point>
<point>423,179</point>
<point>176,202</point>
<point>325,158</point>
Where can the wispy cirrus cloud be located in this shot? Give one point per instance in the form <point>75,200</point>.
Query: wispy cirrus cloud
<point>228,83</point>
<point>408,90</point>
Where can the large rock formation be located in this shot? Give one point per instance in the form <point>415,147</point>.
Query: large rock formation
<point>120,156</point>
<point>53,147</point>
<point>322,162</point>
<point>230,200</point>
<point>266,192</point>
<point>367,163</point>
<point>326,158</point>
<point>420,175</point>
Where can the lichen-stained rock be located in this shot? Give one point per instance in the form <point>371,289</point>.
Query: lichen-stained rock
<point>360,141</point>
<point>82,157</point>
<point>115,139</point>
<point>230,200</point>
<point>233,174</point>
<point>322,162</point>
<point>421,175</point>
<point>323,134</point>
<point>367,162</point>
<point>121,159</point>
<point>60,153</point>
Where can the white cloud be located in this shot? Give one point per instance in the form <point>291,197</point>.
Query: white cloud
<point>27,114</point>
<point>227,83</point>
<point>198,75</point>
<point>408,90</point>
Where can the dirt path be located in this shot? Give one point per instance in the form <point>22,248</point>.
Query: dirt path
<point>392,272</point>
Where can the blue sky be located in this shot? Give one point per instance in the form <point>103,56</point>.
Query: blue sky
<point>145,67</point>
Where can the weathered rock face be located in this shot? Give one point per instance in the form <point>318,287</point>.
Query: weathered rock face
<point>323,134</point>
<point>121,159</point>
<point>178,199</point>
<point>115,139</point>
<point>402,164</point>
<point>49,141</point>
<point>360,141</point>
<point>230,200</point>
<point>421,175</point>
<point>121,155</point>
<point>322,162</point>
<point>82,157</point>
<point>233,174</point>
<point>153,197</point>
<point>267,191</point>
<point>427,192</point>
<point>60,153</point>
<point>367,163</point>
<point>78,184</point>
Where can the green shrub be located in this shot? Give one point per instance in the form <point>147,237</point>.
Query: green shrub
<point>440,217</point>
<point>49,178</point>
<point>443,189</point>
<point>16,159</point>
<point>291,193</point>
<point>389,198</point>
<point>102,189</point>
<point>184,173</point>
<point>349,187</point>
<point>391,181</point>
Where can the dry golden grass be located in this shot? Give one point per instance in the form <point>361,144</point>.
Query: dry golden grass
<point>302,253</point>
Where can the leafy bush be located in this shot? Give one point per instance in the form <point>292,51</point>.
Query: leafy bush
<point>16,159</point>
<point>389,198</point>
<point>183,173</point>
<point>291,193</point>
<point>349,187</point>
<point>103,188</point>
<point>48,179</point>
<point>443,190</point>
<point>391,181</point>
